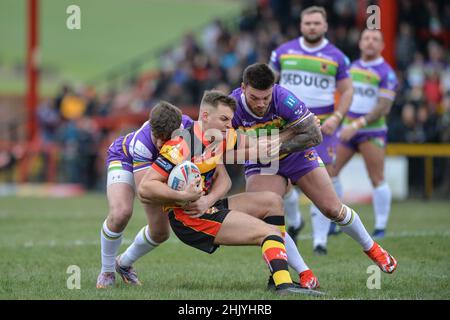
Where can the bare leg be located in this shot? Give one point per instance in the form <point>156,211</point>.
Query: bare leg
<point>374,159</point>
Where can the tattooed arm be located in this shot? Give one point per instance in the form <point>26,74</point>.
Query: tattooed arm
<point>301,136</point>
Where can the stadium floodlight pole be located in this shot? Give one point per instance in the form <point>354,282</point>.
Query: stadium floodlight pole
<point>32,68</point>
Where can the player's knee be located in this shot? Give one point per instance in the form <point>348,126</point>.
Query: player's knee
<point>159,236</point>
<point>376,179</point>
<point>267,231</point>
<point>331,210</point>
<point>273,202</point>
<point>119,216</point>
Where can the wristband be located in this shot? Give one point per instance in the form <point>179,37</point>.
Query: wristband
<point>339,115</point>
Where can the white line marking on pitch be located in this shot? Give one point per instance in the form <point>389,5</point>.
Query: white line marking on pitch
<point>173,239</point>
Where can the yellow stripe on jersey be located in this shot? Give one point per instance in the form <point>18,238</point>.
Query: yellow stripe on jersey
<point>302,56</point>
<point>366,72</point>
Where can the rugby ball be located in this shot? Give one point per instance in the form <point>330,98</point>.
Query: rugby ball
<point>182,175</point>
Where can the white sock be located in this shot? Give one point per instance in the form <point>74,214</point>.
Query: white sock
<point>351,224</point>
<point>320,227</point>
<point>382,205</point>
<point>110,243</point>
<point>295,260</point>
<point>291,208</point>
<point>141,245</point>
<point>337,186</point>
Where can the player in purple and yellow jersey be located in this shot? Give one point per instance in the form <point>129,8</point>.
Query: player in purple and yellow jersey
<point>128,158</point>
<point>208,219</point>
<point>261,104</point>
<point>314,70</point>
<point>365,128</point>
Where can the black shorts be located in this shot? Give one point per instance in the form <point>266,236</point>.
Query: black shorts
<point>199,232</point>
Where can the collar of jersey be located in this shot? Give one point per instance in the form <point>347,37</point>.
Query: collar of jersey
<point>315,49</point>
<point>372,63</point>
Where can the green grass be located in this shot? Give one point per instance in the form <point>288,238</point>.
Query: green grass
<point>112,32</point>
<point>40,238</point>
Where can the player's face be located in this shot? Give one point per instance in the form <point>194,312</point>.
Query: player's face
<point>219,118</point>
<point>371,44</point>
<point>313,27</point>
<point>257,100</point>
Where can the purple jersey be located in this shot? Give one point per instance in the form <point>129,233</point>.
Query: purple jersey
<point>311,73</point>
<point>371,80</point>
<point>136,150</point>
<point>285,110</point>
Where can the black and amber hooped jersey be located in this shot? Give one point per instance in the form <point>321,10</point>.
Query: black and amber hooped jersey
<point>192,145</point>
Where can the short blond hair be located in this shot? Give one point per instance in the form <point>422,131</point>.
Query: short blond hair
<point>314,9</point>
<point>214,97</point>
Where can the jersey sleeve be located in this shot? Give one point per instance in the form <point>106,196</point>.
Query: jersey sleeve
<point>343,70</point>
<point>274,61</point>
<point>388,85</point>
<point>171,154</point>
<point>143,156</point>
<point>291,108</point>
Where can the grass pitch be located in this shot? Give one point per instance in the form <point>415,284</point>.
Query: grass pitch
<point>40,238</point>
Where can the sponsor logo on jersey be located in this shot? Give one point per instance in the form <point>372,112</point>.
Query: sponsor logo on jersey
<point>311,155</point>
<point>141,150</point>
<point>290,101</point>
<point>365,92</point>
<point>165,164</point>
<point>295,79</point>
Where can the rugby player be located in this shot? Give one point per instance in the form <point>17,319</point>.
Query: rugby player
<point>202,217</point>
<point>128,158</point>
<point>262,104</point>
<point>313,69</point>
<point>365,128</point>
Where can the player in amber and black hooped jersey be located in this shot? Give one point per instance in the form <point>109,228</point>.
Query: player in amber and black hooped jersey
<point>256,98</point>
<point>315,70</point>
<point>203,217</point>
<point>128,158</point>
<point>365,128</point>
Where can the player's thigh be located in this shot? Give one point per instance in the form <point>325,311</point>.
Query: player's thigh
<point>120,199</point>
<point>373,156</point>
<point>260,182</point>
<point>257,204</point>
<point>239,228</point>
<point>317,186</point>
<point>158,222</point>
<point>343,156</point>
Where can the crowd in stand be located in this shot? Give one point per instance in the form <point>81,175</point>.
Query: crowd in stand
<point>216,57</point>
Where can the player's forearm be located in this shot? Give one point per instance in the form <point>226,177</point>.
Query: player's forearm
<point>220,187</point>
<point>381,109</point>
<point>345,100</point>
<point>158,193</point>
<point>301,142</point>
<point>301,137</point>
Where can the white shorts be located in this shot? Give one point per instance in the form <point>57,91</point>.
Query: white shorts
<point>120,176</point>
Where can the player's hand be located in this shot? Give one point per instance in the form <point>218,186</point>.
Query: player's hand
<point>317,121</point>
<point>347,133</point>
<point>193,191</point>
<point>330,125</point>
<point>198,208</point>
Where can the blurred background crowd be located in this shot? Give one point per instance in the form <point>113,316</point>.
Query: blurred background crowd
<point>79,121</point>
